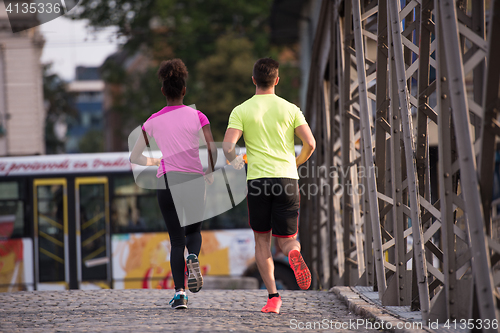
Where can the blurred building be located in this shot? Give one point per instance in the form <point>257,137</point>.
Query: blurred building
<point>22,112</point>
<point>88,125</point>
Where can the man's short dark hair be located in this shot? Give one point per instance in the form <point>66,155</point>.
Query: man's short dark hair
<point>265,72</point>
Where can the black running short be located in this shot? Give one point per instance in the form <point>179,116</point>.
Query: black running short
<point>273,205</point>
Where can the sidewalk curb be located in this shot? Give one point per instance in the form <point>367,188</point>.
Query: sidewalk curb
<point>367,309</point>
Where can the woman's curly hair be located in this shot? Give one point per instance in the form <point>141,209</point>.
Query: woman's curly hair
<point>173,74</point>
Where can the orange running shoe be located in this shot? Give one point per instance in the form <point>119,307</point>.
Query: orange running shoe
<point>273,305</point>
<point>302,273</point>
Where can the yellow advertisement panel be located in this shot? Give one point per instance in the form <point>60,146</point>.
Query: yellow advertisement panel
<point>16,265</point>
<point>143,260</point>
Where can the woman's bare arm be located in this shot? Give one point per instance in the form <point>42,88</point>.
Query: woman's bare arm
<point>137,157</point>
<point>231,137</point>
<point>211,148</point>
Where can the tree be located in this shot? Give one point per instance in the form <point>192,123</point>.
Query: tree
<point>140,98</point>
<point>218,41</point>
<point>135,96</point>
<point>185,29</point>
<point>59,106</point>
<point>92,142</point>
<point>225,80</point>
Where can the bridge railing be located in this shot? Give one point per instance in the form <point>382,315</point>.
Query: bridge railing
<point>385,205</point>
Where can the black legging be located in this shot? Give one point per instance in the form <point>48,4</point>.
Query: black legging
<point>189,236</point>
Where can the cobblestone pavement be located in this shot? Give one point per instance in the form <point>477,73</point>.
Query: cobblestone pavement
<point>148,311</point>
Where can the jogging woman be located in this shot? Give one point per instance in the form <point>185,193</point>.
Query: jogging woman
<point>177,130</point>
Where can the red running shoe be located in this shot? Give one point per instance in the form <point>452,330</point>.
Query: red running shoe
<point>302,273</point>
<point>273,305</point>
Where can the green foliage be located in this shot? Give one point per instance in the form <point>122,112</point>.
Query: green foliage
<point>218,40</point>
<point>289,84</point>
<point>92,142</point>
<point>141,96</point>
<point>57,98</point>
<point>113,72</point>
<point>52,144</point>
<point>225,79</point>
<point>189,28</point>
<point>59,105</point>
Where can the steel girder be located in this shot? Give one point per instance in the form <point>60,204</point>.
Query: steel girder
<point>489,137</point>
<point>418,235</point>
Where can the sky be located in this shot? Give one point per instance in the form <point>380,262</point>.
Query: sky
<point>69,44</point>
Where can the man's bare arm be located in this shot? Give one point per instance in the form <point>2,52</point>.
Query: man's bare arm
<point>303,132</point>
<point>232,136</point>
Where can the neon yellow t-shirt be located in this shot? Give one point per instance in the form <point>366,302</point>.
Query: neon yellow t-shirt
<point>268,123</point>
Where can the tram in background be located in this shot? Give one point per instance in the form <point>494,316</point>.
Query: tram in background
<point>80,221</point>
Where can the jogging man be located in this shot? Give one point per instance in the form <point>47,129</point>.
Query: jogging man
<point>268,124</point>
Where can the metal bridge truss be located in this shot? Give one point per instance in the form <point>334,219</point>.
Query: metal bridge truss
<point>384,75</point>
